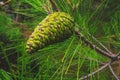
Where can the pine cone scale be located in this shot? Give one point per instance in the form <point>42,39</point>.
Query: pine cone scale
<point>55,27</point>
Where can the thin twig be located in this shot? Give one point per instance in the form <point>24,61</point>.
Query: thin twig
<point>93,73</point>
<point>113,73</point>
<point>100,43</point>
<point>112,56</point>
<point>54,5</point>
<point>118,54</point>
<point>92,45</point>
<point>117,57</point>
<point>97,41</point>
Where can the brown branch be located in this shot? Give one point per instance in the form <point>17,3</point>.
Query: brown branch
<point>93,73</point>
<point>100,44</point>
<point>113,57</point>
<point>96,41</point>
<point>54,5</point>
<point>93,46</point>
<point>113,73</point>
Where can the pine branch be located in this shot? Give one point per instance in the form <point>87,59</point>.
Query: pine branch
<point>93,46</point>
<point>108,54</point>
<point>113,73</point>
<point>100,44</point>
<point>93,73</point>
<point>97,41</point>
<point>54,5</point>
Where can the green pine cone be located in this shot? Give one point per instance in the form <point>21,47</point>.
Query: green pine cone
<point>56,27</point>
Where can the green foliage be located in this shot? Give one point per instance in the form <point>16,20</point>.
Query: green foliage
<point>7,31</point>
<point>67,60</point>
<point>4,75</point>
<point>4,20</point>
<point>38,5</point>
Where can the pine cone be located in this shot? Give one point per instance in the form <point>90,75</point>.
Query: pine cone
<point>56,27</point>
